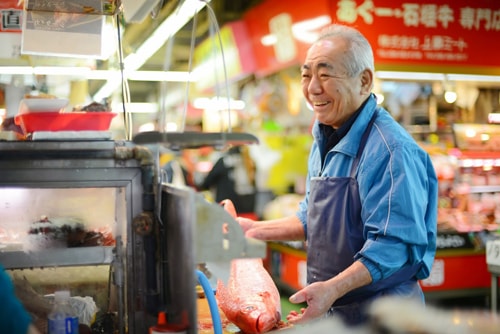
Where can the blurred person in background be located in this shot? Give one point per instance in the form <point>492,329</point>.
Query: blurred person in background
<point>233,177</point>
<point>179,170</point>
<point>369,214</point>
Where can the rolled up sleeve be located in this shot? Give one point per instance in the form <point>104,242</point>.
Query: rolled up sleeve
<point>399,200</point>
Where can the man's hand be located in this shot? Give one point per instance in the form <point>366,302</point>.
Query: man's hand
<point>246,224</point>
<point>318,296</point>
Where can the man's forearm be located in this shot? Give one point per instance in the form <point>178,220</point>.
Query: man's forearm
<point>355,276</point>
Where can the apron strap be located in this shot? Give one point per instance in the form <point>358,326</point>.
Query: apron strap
<point>362,143</point>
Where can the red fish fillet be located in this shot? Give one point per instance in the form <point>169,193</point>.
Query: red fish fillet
<point>251,299</point>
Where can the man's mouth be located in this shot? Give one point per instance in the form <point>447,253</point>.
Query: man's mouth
<point>320,104</point>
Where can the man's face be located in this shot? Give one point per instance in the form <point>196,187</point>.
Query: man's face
<point>333,95</point>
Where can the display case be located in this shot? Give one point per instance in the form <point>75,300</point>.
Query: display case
<point>469,193</point>
<point>468,213</point>
<point>74,204</point>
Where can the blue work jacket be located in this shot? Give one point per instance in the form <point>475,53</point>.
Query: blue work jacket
<point>398,190</point>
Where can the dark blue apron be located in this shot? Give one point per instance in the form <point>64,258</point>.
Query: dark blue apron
<point>335,235</point>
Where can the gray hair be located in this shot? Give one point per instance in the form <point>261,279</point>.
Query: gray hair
<point>359,55</point>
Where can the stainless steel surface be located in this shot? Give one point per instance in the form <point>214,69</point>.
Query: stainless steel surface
<point>495,274</point>
<point>212,245</point>
<point>182,140</point>
<point>191,232</point>
<point>177,274</point>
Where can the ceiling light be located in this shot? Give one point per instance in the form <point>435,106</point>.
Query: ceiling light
<point>171,76</point>
<point>390,75</point>
<point>450,96</point>
<point>61,70</point>
<point>90,74</point>
<point>427,76</point>
<point>217,103</point>
<point>473,77</point>
<point>494,118</point>
<point>137,107</point>
<point>485,137</point>
<point>21,70</point>
<point>168,28</point>
<point>470,133</point>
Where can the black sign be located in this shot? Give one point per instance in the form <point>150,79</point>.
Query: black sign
<point>455,241</point>
<point>11,19</point>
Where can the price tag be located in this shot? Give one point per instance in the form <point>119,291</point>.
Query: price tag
<point>493,252</point>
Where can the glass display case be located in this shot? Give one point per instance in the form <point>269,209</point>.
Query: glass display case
<point>73,204</point>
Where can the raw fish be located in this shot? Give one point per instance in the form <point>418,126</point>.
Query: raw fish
<point>251,299</point>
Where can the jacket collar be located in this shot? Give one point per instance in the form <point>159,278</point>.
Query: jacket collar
<point>350,143</point>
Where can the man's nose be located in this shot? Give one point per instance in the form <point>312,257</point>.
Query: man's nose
<point>314,86</point>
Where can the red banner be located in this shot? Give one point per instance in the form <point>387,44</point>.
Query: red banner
<point>461,35</point>
<point>451,36</point>
<point>239,60</point>
<point>281,31</point>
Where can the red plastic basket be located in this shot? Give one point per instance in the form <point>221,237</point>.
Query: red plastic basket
<point>64,121</point>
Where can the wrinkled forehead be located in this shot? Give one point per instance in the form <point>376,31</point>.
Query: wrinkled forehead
<point>326,53</point>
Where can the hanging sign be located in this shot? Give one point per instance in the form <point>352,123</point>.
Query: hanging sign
<point>493,252</point>
<point>11,16</point>
<point>10,28</point>
<point>450,36</point>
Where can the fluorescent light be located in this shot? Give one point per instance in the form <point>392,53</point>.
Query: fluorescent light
<point>169,27</point>
<point>426,76</point>
<point>21,70</point>
<point>103,75</point>
<point>450,96</point>
<point>171,127</point>
<point>473,77</point>
<point>218,103</point>
<point>107,89</point>
<point>88,73</point>
<point>150,126</point>
<point>112,77</point>
<point>485,137</point>
<point>494,118</point>
<point>171,76</point>
<point>386,75</point>
<point>137,107</point>
<point>61,70</point>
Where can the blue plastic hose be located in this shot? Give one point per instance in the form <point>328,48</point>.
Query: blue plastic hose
<point>212,302</point>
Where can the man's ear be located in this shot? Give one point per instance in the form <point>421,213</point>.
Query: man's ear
<point>366,81</point>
